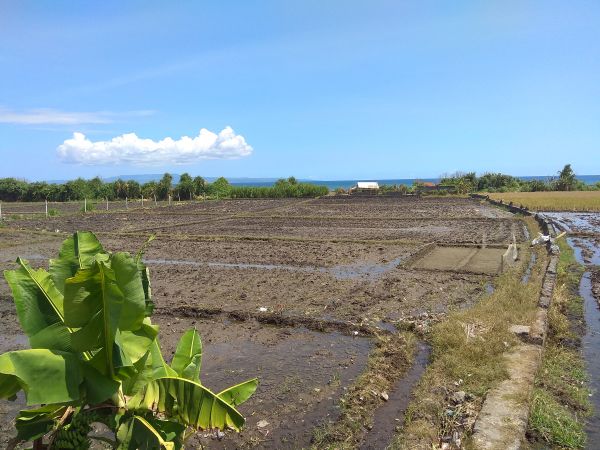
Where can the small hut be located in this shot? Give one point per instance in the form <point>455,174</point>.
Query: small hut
<point>365,187</point>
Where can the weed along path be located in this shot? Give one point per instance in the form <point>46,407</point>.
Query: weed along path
<point>332,303</point>
<point>585,229</point>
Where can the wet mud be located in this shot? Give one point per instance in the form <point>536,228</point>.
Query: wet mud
<point>290,291</point>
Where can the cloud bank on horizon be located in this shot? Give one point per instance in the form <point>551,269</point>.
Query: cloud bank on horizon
<point>131,149</point>
<point>49,116</point>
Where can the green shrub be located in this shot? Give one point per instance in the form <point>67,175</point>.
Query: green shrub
<point>95,357</point>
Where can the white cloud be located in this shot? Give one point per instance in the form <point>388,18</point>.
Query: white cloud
<point>46,116</point>
<point>130,149</point>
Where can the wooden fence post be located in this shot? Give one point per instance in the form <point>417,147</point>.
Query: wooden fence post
<point>46,208</point>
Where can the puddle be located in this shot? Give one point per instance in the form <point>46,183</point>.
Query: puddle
<point>526,233</point>
<point>340,272</point>
<point>391,414</point>
<point>591,353</point>
<point>527,274</point>
<point>387,326</point>
<point>372,271</point>
<point>587,252</point>
<point>576,222</point>
<point>301,376</point>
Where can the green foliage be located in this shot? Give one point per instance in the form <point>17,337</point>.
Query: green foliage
<point>164,188</point>
<point>282,188</point>
<point>186,188</point>
<point>401,188</point>
<point>566,179</point>
<point>199,185</point>
<point>95,357</point>
<point>149,189</point>
<point>220,188</point>
<point>498,182</point>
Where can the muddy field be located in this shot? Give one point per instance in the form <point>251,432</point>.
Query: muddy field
<point>294,292</point>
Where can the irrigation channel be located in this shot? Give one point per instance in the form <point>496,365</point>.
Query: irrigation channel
<point>584,230</point>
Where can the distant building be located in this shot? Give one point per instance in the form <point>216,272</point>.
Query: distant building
<point>365,187</point>
<point>428,186</point>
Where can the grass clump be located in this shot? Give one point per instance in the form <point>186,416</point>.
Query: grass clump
<point>561,396</point>
<point>554,422</point>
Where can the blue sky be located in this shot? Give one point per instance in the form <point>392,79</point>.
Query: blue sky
<point>317,89</point>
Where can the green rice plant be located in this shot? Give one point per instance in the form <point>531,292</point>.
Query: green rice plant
<point>95,357</point>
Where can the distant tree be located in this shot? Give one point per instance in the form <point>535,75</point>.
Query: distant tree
<point>11,189</point>
<point>165,186</point>
<point>134,190</point>
<point>77,189</point>
<point>566,179</point>
<point>37,192</point>
<point>120,188</point>
<point>149,189</point>
<point>535,186</point>
<point>185,188</point>
<point>220,187</point>
<point>95,187</point>
<point>199,185</point>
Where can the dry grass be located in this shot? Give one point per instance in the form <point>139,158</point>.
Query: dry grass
<point>552,201</point>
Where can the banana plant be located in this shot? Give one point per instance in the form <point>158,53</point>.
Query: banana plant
<point>95,356</point>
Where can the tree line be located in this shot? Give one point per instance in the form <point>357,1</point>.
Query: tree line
<point>565,180</point>
<point>188,187</point>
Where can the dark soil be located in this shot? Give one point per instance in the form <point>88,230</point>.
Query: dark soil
<point>277,289</point>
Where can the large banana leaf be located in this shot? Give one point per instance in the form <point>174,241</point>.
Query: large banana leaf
<point>77,252</point>
<point>145,274</point>
<point>107,303</point>
<point>188,402</point>
<point>139,433</point>
<point>151,366</point>
<point>44,375</point>
<point>38,303</point>
<point>188,356</point>
<point>93,300</point>
<point>238,394</point>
